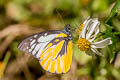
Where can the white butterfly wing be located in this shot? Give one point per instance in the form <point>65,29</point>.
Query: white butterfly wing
<point>51,48</point>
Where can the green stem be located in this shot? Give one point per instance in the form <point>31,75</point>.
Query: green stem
<point>5,62</point>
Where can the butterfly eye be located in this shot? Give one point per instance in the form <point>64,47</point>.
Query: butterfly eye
<point>68,29</point>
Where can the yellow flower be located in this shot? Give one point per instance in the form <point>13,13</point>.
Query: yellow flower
<point>1,69</point>
<point>1,64</point>
<point>90,28</point>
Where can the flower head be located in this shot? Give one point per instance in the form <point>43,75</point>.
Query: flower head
<point>88,31</point>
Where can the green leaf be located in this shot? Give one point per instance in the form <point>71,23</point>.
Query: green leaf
<point>112,48</point>
<point>113,13</point>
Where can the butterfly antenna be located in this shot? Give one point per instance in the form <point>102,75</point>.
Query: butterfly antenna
<point>76,27</point>
<point>60,16</point>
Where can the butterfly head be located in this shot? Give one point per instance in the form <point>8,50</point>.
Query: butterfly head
<point>67,28</point>
<point>68,31</point>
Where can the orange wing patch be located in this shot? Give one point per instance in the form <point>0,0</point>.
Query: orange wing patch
<point>44,60</point>
<point>53,62</point>
<point>59,70</point>
<point>52,69</point>
<point>47,64</point>
<point>45,53</point>
<point>61,35</point>
<point>49,57</point>
<point>67,58</point>
<point>69,55</point>
<point>58,48</point>
<point>64,63</point>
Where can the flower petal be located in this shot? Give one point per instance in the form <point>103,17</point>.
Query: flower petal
<point>93,28</point>
<point>102,44</point>
<point>95,51</point>
<point>90,53</point>
<point>94,36</point>
<point>86,22</point>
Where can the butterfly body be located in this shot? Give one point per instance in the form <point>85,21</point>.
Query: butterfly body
<point>53,49</point>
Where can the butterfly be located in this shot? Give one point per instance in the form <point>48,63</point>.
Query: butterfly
<point>52,48</point>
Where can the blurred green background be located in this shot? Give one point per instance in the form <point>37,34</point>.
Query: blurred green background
<point>20,18</point>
